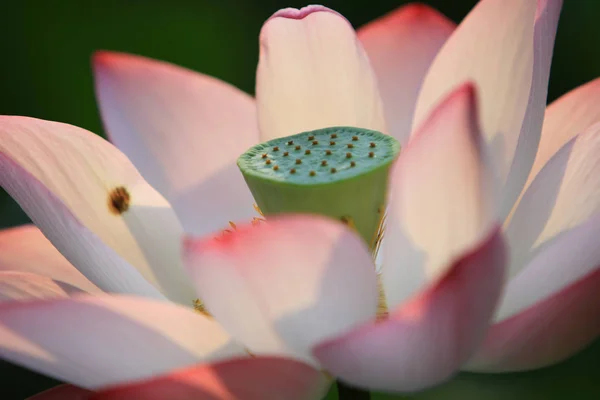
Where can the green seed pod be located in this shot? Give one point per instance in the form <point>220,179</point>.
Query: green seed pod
<point>346,179</point>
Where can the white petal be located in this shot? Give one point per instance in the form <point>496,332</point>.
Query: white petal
<point>442,198</point>
<point>284,285</point>
<point>63,177</point>
<point>184,131</point>
<point>95,341</point>
<point>26,249</point>
<point>313,73</point>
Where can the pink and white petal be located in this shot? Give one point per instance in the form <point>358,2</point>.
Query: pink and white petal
<point>546,23</point>
<point>96,341</point>
<point>65,179</point>
<point>506,51</point>
<point>562,261</point>
<point>25,286</point>
<point>313,73</point>
<point>401,46</point>
<point>546,333</point>
<point>26,249</point>
<point>566,117</point>
<point>442,198</point>
<point>63,392</point>
<point>563,195</point>
<point>259,378</point>
<point>273,285</point>
<point>183,131</point>
<point>425,340</point>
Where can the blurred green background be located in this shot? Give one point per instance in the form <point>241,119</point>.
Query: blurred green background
<point>46,47</point>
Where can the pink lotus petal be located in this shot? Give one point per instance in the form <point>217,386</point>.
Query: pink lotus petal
<point>63,392</point>
<point>546,333</point>
<point>183,131</point>
<point>505,50</point>
<point>259,378</point>
<point>546,22</point>
<point>284,285</point>
<point>313,73</point>
<point>425,340</point>
<point>442,198</point>
<point>401,46</point>
<point>564,195</point>
<point>95,341</point>
<point>566,117</point>
<point>26,249</point>
<point>65,178</point>
<point>24,286</point>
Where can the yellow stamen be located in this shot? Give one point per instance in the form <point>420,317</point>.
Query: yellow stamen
<point>200,308</point>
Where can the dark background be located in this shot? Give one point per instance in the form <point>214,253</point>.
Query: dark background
<point>46,46</point>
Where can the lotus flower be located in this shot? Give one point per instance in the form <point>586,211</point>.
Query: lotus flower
<point>487,186</point>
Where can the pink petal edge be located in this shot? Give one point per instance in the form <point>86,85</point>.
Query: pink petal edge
<point>261,378</point>
<point>427,339</point>
<point>301,13</point>
<point>63,392</point>
<point>544,334</point>
<point>414,32</point>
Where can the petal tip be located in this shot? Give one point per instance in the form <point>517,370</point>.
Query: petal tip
<point>104,58</point>
<point>295,13</point>
<point>421,12</point>
<point>466,92</point>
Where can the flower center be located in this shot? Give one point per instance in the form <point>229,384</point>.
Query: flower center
<point>339,172</point>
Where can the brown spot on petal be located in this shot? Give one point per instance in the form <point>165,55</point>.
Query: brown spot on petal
<point>119,200</point>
